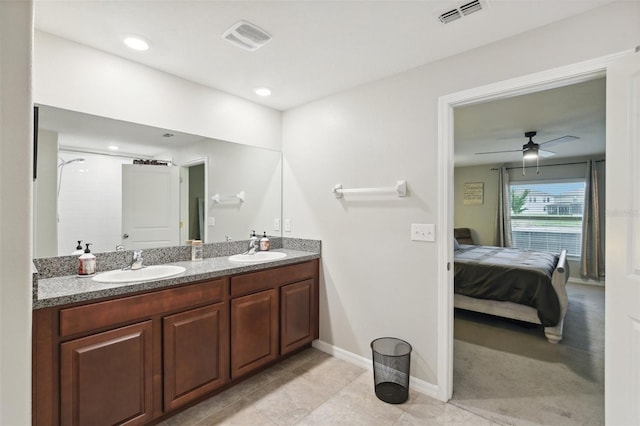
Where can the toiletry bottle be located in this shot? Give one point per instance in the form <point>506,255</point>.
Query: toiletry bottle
<point>264,242</point>
<point>78,251</point>
<point>87,262</point>
<point>196,250</point>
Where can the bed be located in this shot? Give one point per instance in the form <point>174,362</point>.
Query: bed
<point>512,283</point>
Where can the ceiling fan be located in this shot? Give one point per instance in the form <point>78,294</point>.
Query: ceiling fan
<point>531,149</point>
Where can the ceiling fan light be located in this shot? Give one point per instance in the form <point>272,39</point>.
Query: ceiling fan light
<point>530,153</point>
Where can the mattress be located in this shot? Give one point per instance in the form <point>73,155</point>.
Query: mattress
<point>509,275</point>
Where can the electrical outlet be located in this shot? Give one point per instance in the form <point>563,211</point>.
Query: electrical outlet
<point>276,224</point>
<point>287,225</point>
<point>211,221</point>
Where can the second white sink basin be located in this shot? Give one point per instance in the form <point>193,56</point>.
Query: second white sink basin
<point>153,272</point>
<point>259,256</point>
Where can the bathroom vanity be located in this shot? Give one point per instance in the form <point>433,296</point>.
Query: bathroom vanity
<point>156,347</point>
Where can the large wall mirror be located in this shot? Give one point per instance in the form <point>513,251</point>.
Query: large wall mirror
<point>110,183</point>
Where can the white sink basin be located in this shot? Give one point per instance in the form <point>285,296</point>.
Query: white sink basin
<point>153,272</point>
<point>260,256</point>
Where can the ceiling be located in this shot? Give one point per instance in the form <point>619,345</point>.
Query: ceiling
<point>576,110</point>
<point>318,47</point>
<point>89,133</point>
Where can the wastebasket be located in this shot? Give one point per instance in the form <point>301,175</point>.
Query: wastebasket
<point>391,360</point>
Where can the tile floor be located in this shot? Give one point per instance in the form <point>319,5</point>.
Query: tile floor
<point>313,388</point>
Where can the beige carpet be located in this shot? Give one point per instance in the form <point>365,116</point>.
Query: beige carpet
<point>507,372</point>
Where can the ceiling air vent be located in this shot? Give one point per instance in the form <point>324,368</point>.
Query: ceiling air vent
<point>246,35</point>
<point>469,8</point>
<point>460,11</point>
<point>450,16</point>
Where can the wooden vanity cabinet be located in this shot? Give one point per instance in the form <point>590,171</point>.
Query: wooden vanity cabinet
<point>134,359</point>
<point>254,331</point>
<point>106,378</point>
<point>273,312</point>
<point>195,354</point>
<point>298,322</point>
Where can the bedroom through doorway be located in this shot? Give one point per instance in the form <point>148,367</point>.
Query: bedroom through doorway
<point>505,369</point>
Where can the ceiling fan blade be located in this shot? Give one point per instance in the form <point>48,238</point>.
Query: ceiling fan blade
<point>498,152</point>
<point>559,140</point>
<point>544,154</point>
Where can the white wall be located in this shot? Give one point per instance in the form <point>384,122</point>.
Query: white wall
<point>76,77</point>
<point>233,168</point>
<point>16,141</point>
<point>375,281</point>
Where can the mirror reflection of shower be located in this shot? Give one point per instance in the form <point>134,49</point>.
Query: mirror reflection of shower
<point>61,167</point>
<point>60,172</point>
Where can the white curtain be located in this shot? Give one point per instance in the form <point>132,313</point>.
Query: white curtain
<point>591,259</point>
<point>503,227</point>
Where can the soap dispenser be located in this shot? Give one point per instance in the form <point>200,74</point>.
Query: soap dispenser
<point>264,242</point>
<point>87,263</point>
<point>78,251</point>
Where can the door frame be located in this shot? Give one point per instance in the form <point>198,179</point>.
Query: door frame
<point>549,79</point>
<point>184,196</point>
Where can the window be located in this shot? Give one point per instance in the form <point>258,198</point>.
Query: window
<point>547,216</point>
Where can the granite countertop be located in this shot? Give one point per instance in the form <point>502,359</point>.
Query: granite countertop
<point>72,289</point>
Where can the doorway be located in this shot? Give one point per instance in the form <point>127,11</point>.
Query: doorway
<point>529,84</point>
<point>194,219</point>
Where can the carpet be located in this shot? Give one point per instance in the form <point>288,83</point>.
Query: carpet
<point>507,371</point>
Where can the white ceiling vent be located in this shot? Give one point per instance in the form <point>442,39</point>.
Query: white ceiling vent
<point>460,11</point>
<point>246,35</point>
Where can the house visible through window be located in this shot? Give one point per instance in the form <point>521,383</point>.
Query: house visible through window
<point>547,216</point>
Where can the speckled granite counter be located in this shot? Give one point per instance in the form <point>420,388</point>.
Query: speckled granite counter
<point>67,289</point>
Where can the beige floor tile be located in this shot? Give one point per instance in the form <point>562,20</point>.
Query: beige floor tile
<point>361,396</point>
<point>313,388</point>
<point>241,413</point>
<point>422,410</point>
<point>331,372</point>
<point>290,398</point>
<point>339,411</point>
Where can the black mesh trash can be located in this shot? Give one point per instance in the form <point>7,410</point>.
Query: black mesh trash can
<point>391,359</point>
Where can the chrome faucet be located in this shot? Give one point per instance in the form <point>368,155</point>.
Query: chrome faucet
<point>253,244</point>
<point>136,262</point>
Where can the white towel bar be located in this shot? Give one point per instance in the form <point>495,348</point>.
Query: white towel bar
<point>400,190</point>
<point>218,198</point>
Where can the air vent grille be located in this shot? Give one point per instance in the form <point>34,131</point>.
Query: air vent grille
<point>470,7</point>
<point>461,11</point>
<point>450,16</point>
<point>247,36</point>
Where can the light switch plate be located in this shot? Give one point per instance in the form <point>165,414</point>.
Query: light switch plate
<point>423,232</point>
<point>211,221</point>
<point>276,224</point>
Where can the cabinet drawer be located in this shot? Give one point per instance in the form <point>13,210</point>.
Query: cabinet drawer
<point>103,314</point>
<point>256,281</point>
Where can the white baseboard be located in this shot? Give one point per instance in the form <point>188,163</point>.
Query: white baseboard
<point>415,384</point>
<point>574,280</point>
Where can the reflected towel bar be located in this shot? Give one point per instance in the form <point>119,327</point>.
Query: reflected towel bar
<point>400,189</point>
<point>239,196</point>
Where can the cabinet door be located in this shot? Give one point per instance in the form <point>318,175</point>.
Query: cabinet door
<point>254,331</point>
<point>195,353</point>
<point>106,378</point>
<point>296,324</point>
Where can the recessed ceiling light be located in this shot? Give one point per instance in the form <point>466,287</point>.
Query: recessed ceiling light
<point>113,148</point>
<point>262,91</point>
<point>136,43</point>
